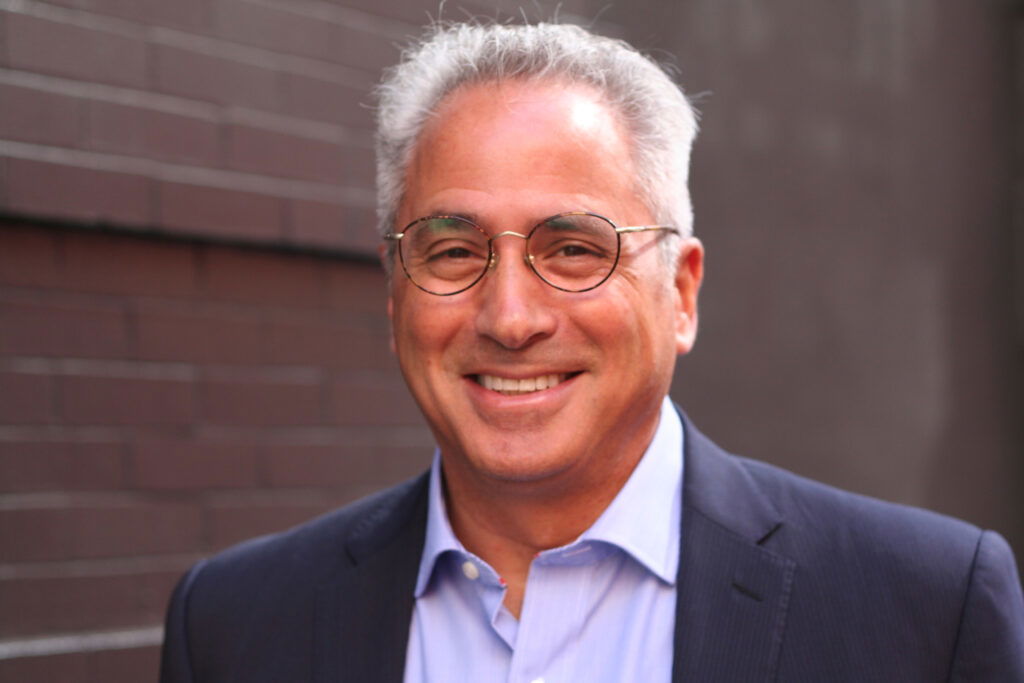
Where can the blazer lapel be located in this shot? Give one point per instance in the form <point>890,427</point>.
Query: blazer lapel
<point>732,589</point>
<point>362,616</point>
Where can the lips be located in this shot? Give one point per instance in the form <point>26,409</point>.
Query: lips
<point>516,387</point>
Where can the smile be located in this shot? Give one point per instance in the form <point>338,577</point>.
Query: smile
<point>516,387</point>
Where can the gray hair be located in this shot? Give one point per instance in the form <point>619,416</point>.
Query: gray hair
<point>661,122</point>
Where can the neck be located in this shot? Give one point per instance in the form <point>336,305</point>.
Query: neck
<point>507,523</point>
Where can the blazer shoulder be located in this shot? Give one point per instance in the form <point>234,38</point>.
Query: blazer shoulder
<point>326,543</point>
<point>875,590</point>
<point>813,522</point>
<point>283,565</point>
<point>831,517</point>
<point>228,607</point>
<point>821,507</point>
<point>249,612</point>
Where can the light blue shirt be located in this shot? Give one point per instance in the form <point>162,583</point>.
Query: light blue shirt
<point>601,609</point>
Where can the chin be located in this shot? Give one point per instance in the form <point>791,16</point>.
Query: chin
<point>517,460</point>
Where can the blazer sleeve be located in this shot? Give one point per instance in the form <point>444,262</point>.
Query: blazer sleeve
<point>175,662</point>
<point>990,642</point>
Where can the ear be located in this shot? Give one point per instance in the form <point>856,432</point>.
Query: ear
<point>382,253</point>
<point>689,274</point>
<point>391,322</point>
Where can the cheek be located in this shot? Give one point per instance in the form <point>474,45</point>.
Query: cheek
<point>635,316</point>
<point>425,331</point>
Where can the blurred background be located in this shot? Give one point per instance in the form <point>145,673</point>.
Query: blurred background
<point>193,342</point>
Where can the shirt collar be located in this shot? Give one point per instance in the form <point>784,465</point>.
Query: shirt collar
<point>440,538</point>
<point>635,521</point>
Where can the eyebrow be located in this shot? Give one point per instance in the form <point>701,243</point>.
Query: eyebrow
<point>475,218</point>
<point>469,216</point>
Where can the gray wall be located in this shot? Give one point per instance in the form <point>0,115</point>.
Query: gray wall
<point>853,185</point>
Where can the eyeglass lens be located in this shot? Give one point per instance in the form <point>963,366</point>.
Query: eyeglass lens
<point>448,254</point>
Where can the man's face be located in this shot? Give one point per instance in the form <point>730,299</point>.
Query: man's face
<point>507,156</point>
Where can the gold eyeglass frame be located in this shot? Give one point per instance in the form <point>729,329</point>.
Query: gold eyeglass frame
<point>492,257</point>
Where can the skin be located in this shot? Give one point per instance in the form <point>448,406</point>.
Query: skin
<point>531,472</point>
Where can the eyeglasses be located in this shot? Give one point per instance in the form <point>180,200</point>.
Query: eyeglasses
<point>574,252</point>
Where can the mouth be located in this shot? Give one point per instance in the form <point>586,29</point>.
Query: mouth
<point>518,387</point>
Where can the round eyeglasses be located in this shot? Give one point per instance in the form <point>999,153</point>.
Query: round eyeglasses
<point>574,252</point>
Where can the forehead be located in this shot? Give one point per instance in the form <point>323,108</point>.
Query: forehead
<point>575,107</point>
<point>553,146</point>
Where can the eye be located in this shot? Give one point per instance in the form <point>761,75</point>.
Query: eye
<point>453,253</point>
<point>576,250</point>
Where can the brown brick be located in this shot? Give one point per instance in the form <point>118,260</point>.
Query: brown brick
<point>271,28</point>
<point>314,340</point>
<point>308,466</point>
<point>25,398</point>
<point>60,191</point>
<point>94,531</point>
<point>153,134</point>
<point>37,606</point>
<point>128,265</point>
<point>293,33</point>
<point>363,50</point>
<point>372,400</point>
<point>191,464</point>
<point>261,403</point>
<point>314,98</point>
<point>28,256</point>
<point>360,167</point>
<point>313,337</point>
<point>341,466</point>
<point>316,223</point>
<point>27,466</point>
<point>396,463</point>
<point>4,161</point>
<point>264,278</point>
<point>50,47</point>
<point>199,336</point>
<point>36,116</point>
<point>123,401</point>
<point>204,77</point>
<point>279,154</point>
<point>327,343</point>
<point>106,666</point>
<point>419,12</point>
<point>220,212</point>
<point>234,522</point>
<point>346,228</point>
<point>62,328</point>
<point>358,288</point>
<point>361,234</point>
<point>181,13</point>
<point>415,12</point>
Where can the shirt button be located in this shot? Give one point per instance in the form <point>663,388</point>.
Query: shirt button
<point>471,571</point>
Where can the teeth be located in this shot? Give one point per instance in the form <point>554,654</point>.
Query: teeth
<point>514,387</point>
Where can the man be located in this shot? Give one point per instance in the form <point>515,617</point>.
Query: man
<point>575,526</point>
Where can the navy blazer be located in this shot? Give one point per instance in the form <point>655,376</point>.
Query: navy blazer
<point>780,579</point>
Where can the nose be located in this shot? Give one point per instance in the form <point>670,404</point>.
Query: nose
<point>515,311</point>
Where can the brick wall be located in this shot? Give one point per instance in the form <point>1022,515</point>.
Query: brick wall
<point>239,119</point>
<point>193,340</point>
<point>160,400</point>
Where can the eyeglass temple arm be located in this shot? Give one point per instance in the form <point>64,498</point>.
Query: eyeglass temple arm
<point>394,236</point>
<point>645,228</point>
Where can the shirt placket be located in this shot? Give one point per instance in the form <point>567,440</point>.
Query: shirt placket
<point>551,618</point>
